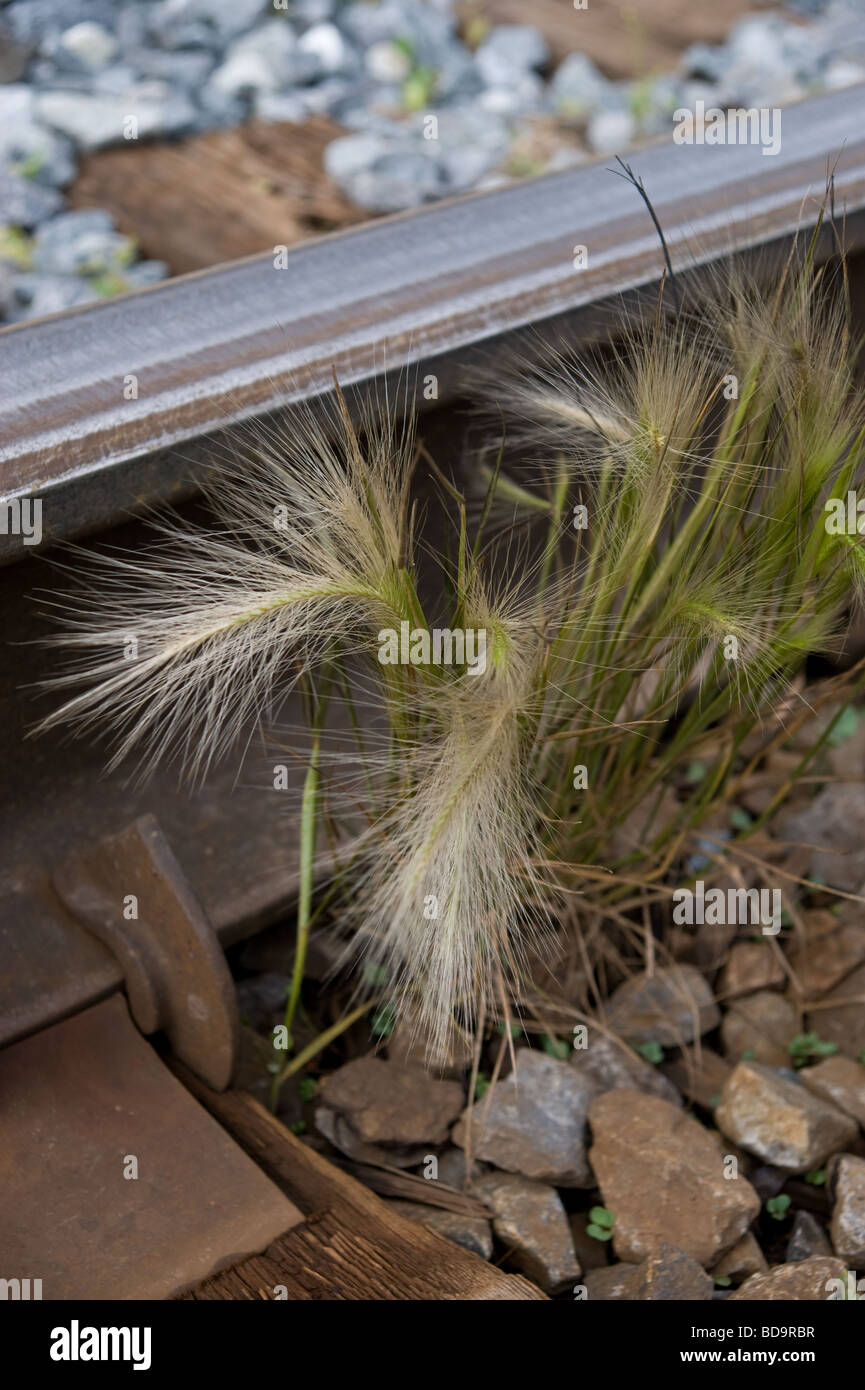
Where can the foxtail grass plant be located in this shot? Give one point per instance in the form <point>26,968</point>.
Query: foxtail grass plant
<point>649,581</point>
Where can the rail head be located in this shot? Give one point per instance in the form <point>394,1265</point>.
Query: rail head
<point>93,402</point>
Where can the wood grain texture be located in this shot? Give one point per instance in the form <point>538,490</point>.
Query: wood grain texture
<point>625,38</point>
<point>351,1246</point>
<point>219,196</point>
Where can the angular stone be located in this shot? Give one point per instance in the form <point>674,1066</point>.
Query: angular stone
<point>49,294</point>
<point>711,943</point>
<point>338,1132</point>
<point>834,826</point>
<point>187,68</point>
<point>671,1007</point>
<point>612,1283</point>
<point>847,758</point>
<point>699,1076</point>
<point>612,1066</point>
<point>406,1046</point>
<point>534,1122</point>
<point>81,243</point>
<point>847,1227</point>
<point>662,1175</point>
<point>452,1169</point>
<point>25,140</point>
<point>145,273</point>
<point>14,57</point>
<point>762,786</point>
<point>751,966</point>
<point>667,1274</point>
<point>807,1238</point>
<point>650,816</point>
<point>681,944</point>
<point>387,1103</point>
<point>325,43</point>
<point>471,1232</point>
<point>761,1024</point>
<point>843,1022</point>
<point>92,120</point>
<point>25,203</point>
<point>509,48</point>
<point>529,1218</point>
<point>827,956</point>
<point>805,1282</point>
<point>89,43</point>
<point>744,1259</point>
<point>578,87</point>
<point>609,131</point>
<point>841,1081</point>
<point>386,62</point>
<point>773,1116</point>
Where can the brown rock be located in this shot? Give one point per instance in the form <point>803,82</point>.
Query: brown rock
<point>671,1007</point>
<point>847,1227</point>
<point>452,1169</point>
<point>744,1259</point>
<point>827,956</point>
<point>712,941</point>
<point>407,1048</point>
<point>834,826</point>
<point>388,1104</point>
<point>662,1174</point>
<point>338,1132</point>
<point>681,943</point>
<point>751,965</point>
<point>844,1022</point>
<point>667,1274</point>
<point>699,1076</point>
<point>773,1116</point>
<point>807,1238</point>
<point>840,1080</point>
<point>471,1232</point>
<point>612,1066</point>
<point>528,1217</point>
<point>763,786</point>
<point>612,1283</point>
<point>817,923</point>
<point>649,817</point>
<point>534,1122</point>
<point>760,1024</point>
<point>847,758</point>
<point>805,1282</point>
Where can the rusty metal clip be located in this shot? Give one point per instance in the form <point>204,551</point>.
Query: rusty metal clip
<point>131,893</point>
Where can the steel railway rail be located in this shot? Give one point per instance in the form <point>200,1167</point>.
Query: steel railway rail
<point>427,288</point>
<point>427,292</point>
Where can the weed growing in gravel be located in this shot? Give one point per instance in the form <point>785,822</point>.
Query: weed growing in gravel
<point>647,595</point>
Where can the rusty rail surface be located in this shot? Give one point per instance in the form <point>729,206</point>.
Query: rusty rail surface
<point>237,341</point>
